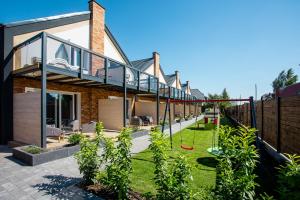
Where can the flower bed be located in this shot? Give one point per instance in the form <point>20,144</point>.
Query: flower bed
<point>44,156</point>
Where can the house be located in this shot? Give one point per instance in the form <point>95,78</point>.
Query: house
<point>177,109</point>
<point>63,72</point>
<point>145,104</point>
<point>197,94</point>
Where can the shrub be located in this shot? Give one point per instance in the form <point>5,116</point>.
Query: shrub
<point>33,149</point>
<point>87,157</point>
<point>235,171</point>
<point>289,179</point>
<point>172,181</point>
<point>119,165</point>
<point>75,138</point>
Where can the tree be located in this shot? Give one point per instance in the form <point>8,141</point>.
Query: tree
<point>284,79</point>
<point>225,104</point>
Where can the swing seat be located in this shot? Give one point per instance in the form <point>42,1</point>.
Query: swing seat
<point>186,147</point>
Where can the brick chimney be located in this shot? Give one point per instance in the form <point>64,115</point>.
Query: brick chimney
<point>177,79</point>
<point>156,59</point>
<point>187,87</point>
<point>97,27</point>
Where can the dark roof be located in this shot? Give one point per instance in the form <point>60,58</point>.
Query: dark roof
<point>183,86</point>
<point>197,93</point>
<point>170,79</point>
<point>85,15</point>
<point>50,18</point>
<point>142,64</point>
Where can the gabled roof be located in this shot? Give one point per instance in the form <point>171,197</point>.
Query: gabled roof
<point>49,18</point>
<point>183,86</point>
<point>197,93</point>
<point>59,20</point>
<point>170,79</point>
<point>142,64</point>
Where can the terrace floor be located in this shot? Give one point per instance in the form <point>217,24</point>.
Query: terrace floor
<point>53,180</point>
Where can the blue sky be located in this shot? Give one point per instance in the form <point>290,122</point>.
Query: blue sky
<point>214,44</point>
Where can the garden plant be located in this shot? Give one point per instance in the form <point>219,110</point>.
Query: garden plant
<point>235,171</point>
<point>289,179</point>
<point>172,180</point>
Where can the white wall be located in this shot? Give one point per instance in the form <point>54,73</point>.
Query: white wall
<point>111,51</point>
<point>161,78</point>
<point>79,35</point>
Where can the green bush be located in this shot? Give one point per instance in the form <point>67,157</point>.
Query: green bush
<point>75,138</point>
<point>289,179</point>
<point>33,149</point>
<point>119,166</point>
<point>172,180</point>
<point>87,157</point>
<point>235,171</point>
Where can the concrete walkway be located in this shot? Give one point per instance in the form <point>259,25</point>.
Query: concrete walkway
<point>53,180</point>
<point>142,143</point>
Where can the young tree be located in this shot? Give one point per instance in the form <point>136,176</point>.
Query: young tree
<point>224,95</point>
<point>284,79</point>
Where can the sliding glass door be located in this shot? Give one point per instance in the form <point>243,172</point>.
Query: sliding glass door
<point>61,109</point>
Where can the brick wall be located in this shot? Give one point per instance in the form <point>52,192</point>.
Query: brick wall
<point>97,32</point>
<point>89,96</point>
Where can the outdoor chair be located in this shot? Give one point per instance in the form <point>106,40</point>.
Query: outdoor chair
<point>88,127</point>
<point>52,131</point>
<point>75,125</point>
<point>147,120</point>
<point>136,121</point>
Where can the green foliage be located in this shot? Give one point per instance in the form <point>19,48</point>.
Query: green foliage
<point>119,166</point>
<point>87,157</point>
<point>289,179</point>
<point>265,196</point>
<point>75,138</point>
<point>221,105</point>
<point>171,179</point>
<point>235,171</point>
<point>33,149</point>
<point>284,79</point>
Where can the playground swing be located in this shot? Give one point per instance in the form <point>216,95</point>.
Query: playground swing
<point>185,146</point>
<point>214,149</point>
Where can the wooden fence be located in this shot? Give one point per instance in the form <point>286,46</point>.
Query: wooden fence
<point>278,122</point>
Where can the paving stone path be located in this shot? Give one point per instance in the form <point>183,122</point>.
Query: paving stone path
<point>53,180</point>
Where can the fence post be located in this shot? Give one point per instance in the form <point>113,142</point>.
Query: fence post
<point>262,119</point>
<point>277,111</point>
<point>252,113</point>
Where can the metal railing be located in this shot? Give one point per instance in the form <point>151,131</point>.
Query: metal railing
<point>67,57</point>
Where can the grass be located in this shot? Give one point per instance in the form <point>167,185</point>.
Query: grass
<point>203,163</point>
<point>33,149</point>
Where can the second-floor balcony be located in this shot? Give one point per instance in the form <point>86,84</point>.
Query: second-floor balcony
<point>66,62</point>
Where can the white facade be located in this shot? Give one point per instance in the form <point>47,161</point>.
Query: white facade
<point>111,51</point>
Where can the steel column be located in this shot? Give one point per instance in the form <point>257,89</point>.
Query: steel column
<point>106,70</point>
<point>138,81</point>
<point>44,91</point>
<point>125,97</point>
<point>184,105</point>
<point>81,64</point>
<point>157,102</point>
<point>278,134</point>
<point>262,119</point>
<point>149,83</point>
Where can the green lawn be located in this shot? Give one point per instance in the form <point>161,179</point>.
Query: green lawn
<point>203,163</point>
